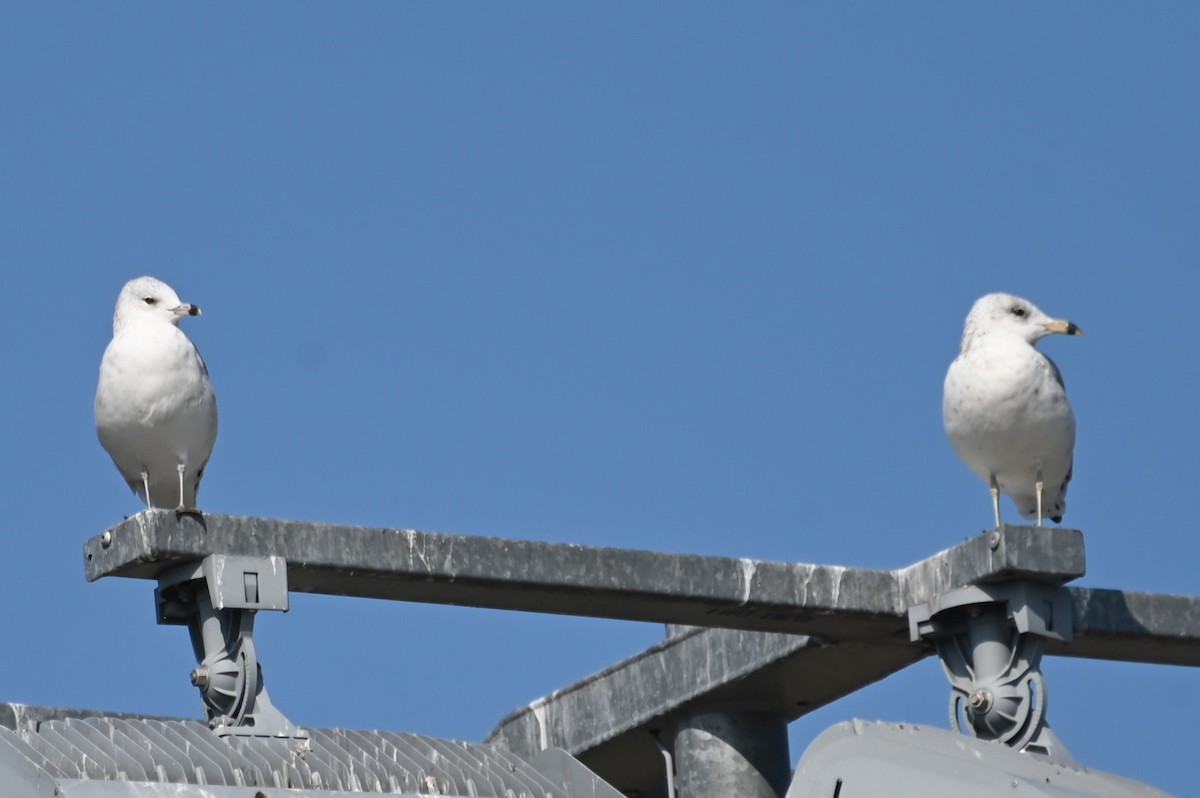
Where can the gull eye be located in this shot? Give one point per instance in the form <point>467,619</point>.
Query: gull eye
<point>150,300</point>
<point>1016,310</point>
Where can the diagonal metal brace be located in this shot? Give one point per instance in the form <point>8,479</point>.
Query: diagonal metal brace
<point>217,599</point>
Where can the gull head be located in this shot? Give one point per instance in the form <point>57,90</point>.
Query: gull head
<point>1005,314</point>
<point>150,299</point>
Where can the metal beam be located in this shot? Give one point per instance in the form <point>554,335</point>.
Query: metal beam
<point>831,602</point>
<point>1133,627</point>
<point>610,720</point>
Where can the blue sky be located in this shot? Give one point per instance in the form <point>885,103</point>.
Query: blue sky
<point>683,277</point>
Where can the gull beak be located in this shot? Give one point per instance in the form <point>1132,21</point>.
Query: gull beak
<point>1063,326</point>
<point>186,310</point>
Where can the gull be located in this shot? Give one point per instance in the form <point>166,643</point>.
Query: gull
<point>1005,407</point>
<point>156,413</point>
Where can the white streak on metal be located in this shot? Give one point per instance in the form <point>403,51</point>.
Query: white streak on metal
<point>143,524</point>
<point>415,553</point>
<point>538,708</point>
<point>835,584</point>
<point>749,568</point>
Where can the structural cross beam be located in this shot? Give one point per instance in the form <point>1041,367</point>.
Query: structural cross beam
<point>833,603</point>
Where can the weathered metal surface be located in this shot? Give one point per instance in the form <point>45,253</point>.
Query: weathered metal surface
<point>738,752</point>
<point>88,747</point>
<point>833,602</point>
<point>1053,556</point>
<point>860,758</point>
<point>509,574</point>
<point>830,602</point>
<point>609,720</point>
<point>1133,627</point>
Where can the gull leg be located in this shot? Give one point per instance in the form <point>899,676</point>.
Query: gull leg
<point>146,487</point>
<point>995,490</point>
<point>181,468</point>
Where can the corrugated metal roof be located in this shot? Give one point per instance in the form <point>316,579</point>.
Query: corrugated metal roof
<point>88,746</point>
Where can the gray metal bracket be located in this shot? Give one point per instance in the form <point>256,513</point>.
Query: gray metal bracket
<point>217,599</point>
<point>990,639</point>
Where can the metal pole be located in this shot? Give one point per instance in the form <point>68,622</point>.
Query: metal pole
<point>743,753</point>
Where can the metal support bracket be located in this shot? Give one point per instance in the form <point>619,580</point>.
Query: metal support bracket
<point>217,599</point>
<point>990,639</point>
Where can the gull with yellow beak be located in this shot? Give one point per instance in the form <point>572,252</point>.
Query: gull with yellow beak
<point>1005,407</point>
<point>156,413</point>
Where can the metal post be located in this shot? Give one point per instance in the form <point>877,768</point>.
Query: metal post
<point>741,753</point>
